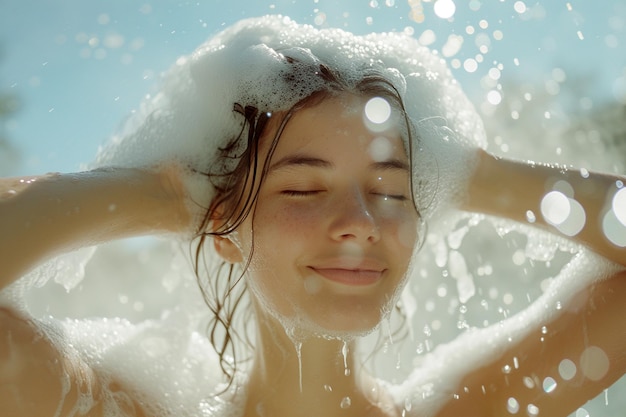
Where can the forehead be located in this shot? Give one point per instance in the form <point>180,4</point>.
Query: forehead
<point>345,123</point>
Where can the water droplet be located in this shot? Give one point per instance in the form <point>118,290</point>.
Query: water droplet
<point>328,388</point>
<point>519,257</point>
<point>260,409</point>
<point>408,404</point>
<point>567,369</point>
<point>380,149</point>
<point>575,222</point>
<point>298,346</point>
<point>544,330</point>
<point>581,412</point>
<point>320,19</point>
<point>507,298</point>
<point>506,369</point>
<point>619,205</point>
<point>344,353</point>
<point>613,229</point>
<point>494,97</point>
<point>512,406</point>
<point>594,363</point>
<point>345,402</point>
<point>520,7</point>
<point>528,382</point>
<point>532,410</point>
<point>444,9</point>
<point>555,207</point>
<point>549,384</point>
<point>470,65</point>
<point>377,110</point>
<point>312,284</point>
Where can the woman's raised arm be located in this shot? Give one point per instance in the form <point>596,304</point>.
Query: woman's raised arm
<point>516,189</point>
<point>44,216</point>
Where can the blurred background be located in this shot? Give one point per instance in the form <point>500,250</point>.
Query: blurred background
<point>71,71</point>
<point>548,77</point>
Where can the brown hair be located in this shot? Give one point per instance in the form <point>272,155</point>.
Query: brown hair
<point>233,202</point>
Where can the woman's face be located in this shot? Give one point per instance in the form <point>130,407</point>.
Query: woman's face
<point>334,227</point>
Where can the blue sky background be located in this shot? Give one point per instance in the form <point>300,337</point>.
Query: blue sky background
<point>79,67</point>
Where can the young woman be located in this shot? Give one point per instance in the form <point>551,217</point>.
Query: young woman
<point>314,192</point>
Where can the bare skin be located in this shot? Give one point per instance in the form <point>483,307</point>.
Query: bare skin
<point>47,215</point>
<point>508,189</point>
<point>42,221</point>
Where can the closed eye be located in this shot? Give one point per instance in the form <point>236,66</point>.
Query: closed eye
<point>300,193</point>
<point>398,197</point>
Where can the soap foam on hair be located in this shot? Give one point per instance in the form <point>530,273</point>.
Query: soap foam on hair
<point>271,63</point>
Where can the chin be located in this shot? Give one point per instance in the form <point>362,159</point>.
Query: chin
<point>339,323</point>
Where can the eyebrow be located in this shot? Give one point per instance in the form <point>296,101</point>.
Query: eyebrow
<point>300,160</point>
<point>392,164</point>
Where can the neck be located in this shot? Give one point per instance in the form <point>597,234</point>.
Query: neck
<point>304,374</point>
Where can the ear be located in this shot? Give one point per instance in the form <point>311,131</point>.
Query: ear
<point>227,249</point>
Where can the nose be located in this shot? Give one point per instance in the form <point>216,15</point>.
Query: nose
<point>351,220</point>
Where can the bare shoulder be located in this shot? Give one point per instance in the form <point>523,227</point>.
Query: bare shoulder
<point>37,379</point>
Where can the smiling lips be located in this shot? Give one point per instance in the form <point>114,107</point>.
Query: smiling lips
<point>350,275</point>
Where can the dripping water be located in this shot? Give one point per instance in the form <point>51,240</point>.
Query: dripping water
<point>344,353</point>
<point>298,346</point>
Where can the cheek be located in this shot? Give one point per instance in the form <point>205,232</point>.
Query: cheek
<point>290,220</point>
<point>282,234</point>
<point>401,226</point>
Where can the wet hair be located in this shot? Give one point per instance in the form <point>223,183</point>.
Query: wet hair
<point>224,290</point>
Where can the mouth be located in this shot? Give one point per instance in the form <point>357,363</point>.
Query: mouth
<point>358,277</point>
